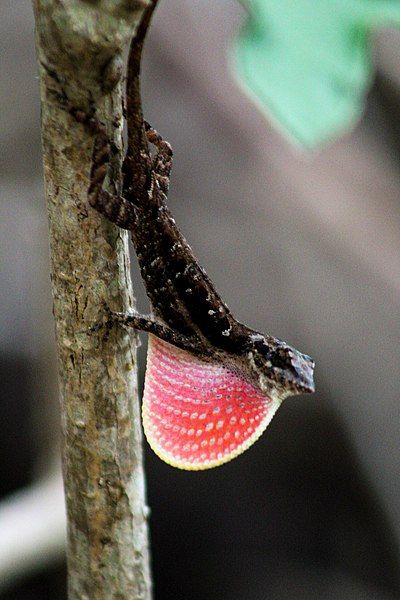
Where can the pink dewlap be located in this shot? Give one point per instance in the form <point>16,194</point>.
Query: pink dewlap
<point>197,414</point>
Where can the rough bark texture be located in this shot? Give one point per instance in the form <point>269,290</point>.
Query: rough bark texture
<point>79,45</point>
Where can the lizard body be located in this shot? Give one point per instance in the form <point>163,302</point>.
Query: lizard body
<point>200,357</point>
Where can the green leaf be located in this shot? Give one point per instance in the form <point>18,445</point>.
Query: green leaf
<point>308,63</point>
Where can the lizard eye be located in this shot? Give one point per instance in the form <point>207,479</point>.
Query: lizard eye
<point>285,366</point>
<point>263,353</point>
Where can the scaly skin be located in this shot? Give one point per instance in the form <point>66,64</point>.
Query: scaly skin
<point>201,340</point>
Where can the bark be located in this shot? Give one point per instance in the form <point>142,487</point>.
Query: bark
<point>79,47</point>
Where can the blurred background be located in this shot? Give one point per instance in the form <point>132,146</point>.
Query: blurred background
<point>305,247</point>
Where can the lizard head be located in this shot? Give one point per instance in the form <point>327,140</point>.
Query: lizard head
<point>275,364</point>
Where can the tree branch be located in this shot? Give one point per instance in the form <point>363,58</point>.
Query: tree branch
<point>38,511</point>
<point>79,47</point>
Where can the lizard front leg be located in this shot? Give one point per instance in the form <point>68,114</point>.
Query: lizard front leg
<point>150,325</point>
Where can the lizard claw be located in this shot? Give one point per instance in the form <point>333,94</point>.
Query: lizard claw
<point>106,323</point>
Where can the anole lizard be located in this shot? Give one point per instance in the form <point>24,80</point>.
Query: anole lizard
<point>212,384</point>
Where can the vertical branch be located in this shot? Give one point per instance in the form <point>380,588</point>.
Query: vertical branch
<point>79,46</point>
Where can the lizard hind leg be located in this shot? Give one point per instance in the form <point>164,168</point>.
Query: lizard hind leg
<point>115,207</point>
<point>162,162</point>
